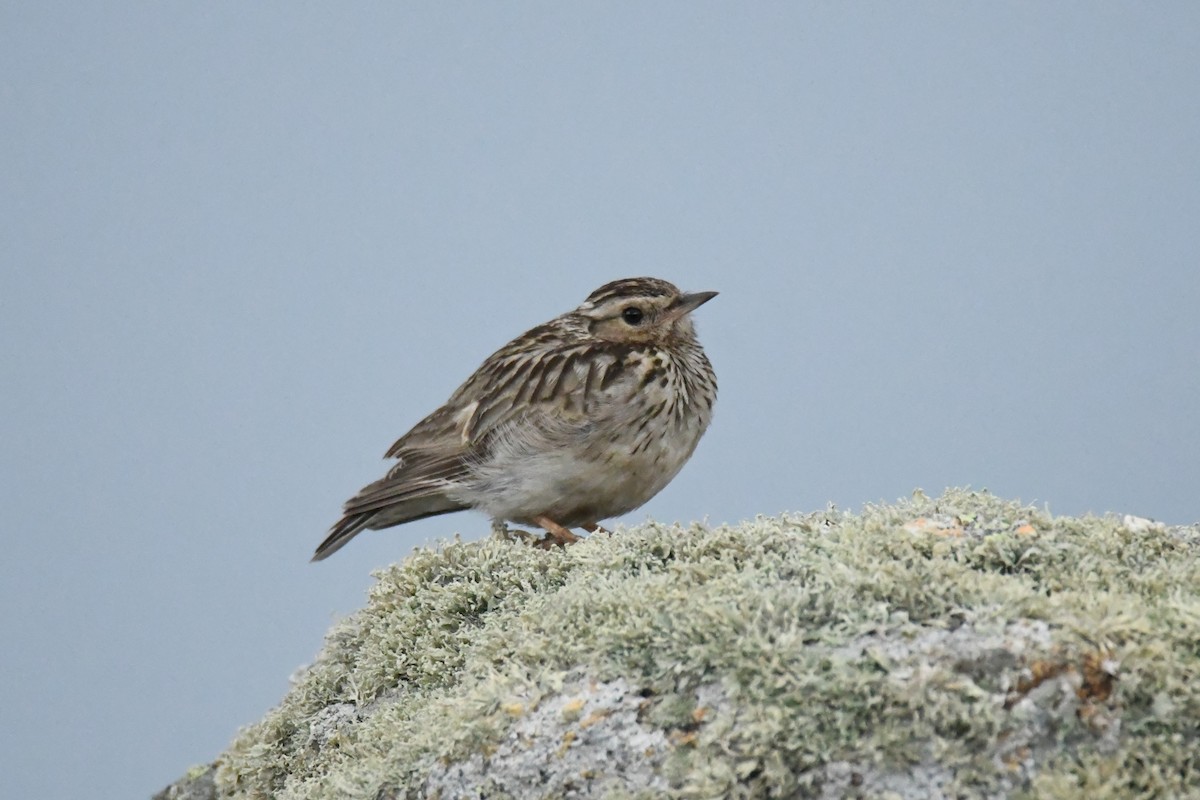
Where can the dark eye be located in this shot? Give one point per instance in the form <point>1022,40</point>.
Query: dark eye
<point>632,315</point>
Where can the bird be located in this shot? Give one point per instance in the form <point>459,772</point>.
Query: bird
<point>577,420</point>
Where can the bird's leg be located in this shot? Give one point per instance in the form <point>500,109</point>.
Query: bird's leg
<point>594,527</point>
<point>555,534</point>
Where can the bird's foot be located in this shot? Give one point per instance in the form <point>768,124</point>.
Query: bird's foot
<point>595,527</point>
<point>556,535</point>
<point>501,529</point>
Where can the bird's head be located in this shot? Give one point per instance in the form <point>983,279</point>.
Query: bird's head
<point>637,310</point>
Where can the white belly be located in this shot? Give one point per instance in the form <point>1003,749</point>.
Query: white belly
<point>584,482</point>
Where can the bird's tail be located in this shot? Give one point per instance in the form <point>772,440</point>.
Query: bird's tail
<point>345,530</point>
<point>354,522</point>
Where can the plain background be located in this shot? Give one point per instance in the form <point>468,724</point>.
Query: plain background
<point>246,246</point>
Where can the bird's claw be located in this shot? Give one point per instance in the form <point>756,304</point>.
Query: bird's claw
<point>550,541</point>
<point>508,534</point>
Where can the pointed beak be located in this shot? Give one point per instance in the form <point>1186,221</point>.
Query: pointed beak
<point>689,302</point>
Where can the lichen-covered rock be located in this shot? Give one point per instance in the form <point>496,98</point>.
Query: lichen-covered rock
<point>963,646</point>
<point>197,784</point>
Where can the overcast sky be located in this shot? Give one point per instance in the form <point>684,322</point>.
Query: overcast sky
<point>246,246</point>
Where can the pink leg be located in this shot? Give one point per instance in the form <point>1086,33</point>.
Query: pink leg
<point>555,534</point>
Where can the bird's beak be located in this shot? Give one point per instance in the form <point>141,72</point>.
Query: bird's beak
<point>688,303</point>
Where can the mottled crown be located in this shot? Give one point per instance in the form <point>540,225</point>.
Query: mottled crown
<point>632,287</point>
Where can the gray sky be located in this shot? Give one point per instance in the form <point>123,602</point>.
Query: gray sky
<point>246,246</point>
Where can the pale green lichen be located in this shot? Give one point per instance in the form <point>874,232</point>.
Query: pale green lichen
<point>959,646</point>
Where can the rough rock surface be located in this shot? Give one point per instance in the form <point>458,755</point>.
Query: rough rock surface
<point>963,646</point>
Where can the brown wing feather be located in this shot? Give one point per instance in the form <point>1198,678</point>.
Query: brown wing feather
<point>551,383</point>
<point>534,373</point>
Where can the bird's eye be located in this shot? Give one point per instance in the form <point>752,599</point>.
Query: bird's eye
<point>632,315</point>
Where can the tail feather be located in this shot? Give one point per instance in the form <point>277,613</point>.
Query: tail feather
<point>413,489</point>
<point>346,529</point>
<point>410,510</point>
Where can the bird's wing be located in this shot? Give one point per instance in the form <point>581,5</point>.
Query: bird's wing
<point>519,382</point>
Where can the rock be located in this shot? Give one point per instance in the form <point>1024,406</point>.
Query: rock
<point>198,784</point>
<point>963,646</point>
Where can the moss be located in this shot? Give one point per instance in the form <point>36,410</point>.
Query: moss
<point>964,645</point>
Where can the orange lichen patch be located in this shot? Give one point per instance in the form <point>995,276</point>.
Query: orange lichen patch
<point>1040,671</point>
<point>572,708</point>
<point>513,709</point>
<point>1099,677</point>
<point>699,714</point>
<point>682,738</point>
<point>1026,530</point>
<point>596,716</point>
<point>567,740</point>
<point>1094,678</point>
<point>1093,716</point>
<point>936,527</point>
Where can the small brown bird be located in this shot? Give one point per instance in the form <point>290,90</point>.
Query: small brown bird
<point>580,419</point>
